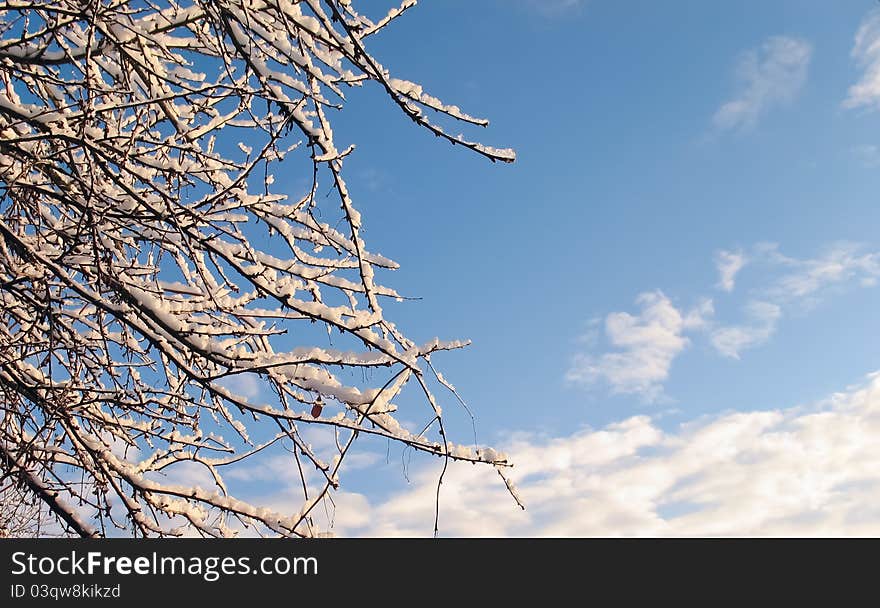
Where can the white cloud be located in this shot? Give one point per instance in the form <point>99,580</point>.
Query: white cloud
<point>731,340</point>
<point>866,52</point>
<point>244,385</point>
<point>868,155</point>
<point>643,346</point>
<point>800,285</point>
<point>729,263</point>
<point>839,264</point>
<point>646,344</point>
<point>797,471</point>
<point>769,76</point>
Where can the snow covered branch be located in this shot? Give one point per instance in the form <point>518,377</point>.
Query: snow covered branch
<point>148,265</point>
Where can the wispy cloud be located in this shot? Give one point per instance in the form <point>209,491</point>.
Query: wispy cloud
<point>731,340</point>
<point>769,76</point>
<point>792,472</point>
<point>839,264</point>
<point>868,155</point>
<point>866,53</point>
<point>792,283</point>
<point>729,263</point>
<point>640,349</point>
<point>644,345</point>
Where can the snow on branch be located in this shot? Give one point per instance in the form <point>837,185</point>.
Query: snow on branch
<point>148,267</point>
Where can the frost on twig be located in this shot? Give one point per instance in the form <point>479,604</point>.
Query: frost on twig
<point>149,268</point>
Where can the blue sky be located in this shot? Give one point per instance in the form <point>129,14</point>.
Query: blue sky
<point>672,294</point>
